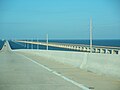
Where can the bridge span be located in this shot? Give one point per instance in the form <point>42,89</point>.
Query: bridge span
<point>79,47</point>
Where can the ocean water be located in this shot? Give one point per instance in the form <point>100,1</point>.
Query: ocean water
<point>16,45</point>
<point>1,44</point>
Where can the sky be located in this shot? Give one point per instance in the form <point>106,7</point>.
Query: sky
<point>60,19</point>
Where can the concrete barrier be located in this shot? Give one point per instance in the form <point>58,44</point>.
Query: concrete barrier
<point>104,64</point>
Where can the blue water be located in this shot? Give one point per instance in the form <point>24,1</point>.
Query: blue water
<point>1,44</point>
<point>16,45</point>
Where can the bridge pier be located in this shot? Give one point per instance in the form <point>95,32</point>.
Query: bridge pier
<point>80,48</point>
<point>77,48</point>
<point>106,51</point>
<point>96,50</point>
<point>73,47</point>
<point>88,49</point>
<point>119,52</point>
<point>101,50</point>
<point>112,52</point>
<point>84,49</point>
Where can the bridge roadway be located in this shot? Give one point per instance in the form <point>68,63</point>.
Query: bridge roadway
<point>79,47</point>
<point>25,70</point>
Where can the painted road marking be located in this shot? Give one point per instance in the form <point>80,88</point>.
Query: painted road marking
<point>54,72</point>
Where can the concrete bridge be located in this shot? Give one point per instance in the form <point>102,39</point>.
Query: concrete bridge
<point>79,47</point>
<point>29,69</point>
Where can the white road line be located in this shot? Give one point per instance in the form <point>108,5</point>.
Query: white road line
<point>54,72</point>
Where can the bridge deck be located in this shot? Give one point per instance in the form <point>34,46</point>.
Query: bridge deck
<point>24,70</point>
<point>78,47</point>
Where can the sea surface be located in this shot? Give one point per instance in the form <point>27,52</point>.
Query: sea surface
<point>16,45</point>
<point>1,43</point>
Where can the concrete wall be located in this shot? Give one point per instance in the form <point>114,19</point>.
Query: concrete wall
<point>105,64</point>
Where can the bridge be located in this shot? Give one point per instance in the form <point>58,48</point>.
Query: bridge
<point>27,69</point>
<point>78,47</point>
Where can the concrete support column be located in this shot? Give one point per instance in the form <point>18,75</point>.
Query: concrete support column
<point>88,49</point>
<point>77,48</point>
<point>112,51</point>
<point>80,48</point>
<point>115,52</point>
<point>96,50</point>
<point>109,51</point>
<point>119,52</point>
<point>84,49</point>
<point>65,45</point>
<point>69,46</point>
<point>72,47</point>
<point>101,50</point>
<point>106,51</point>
